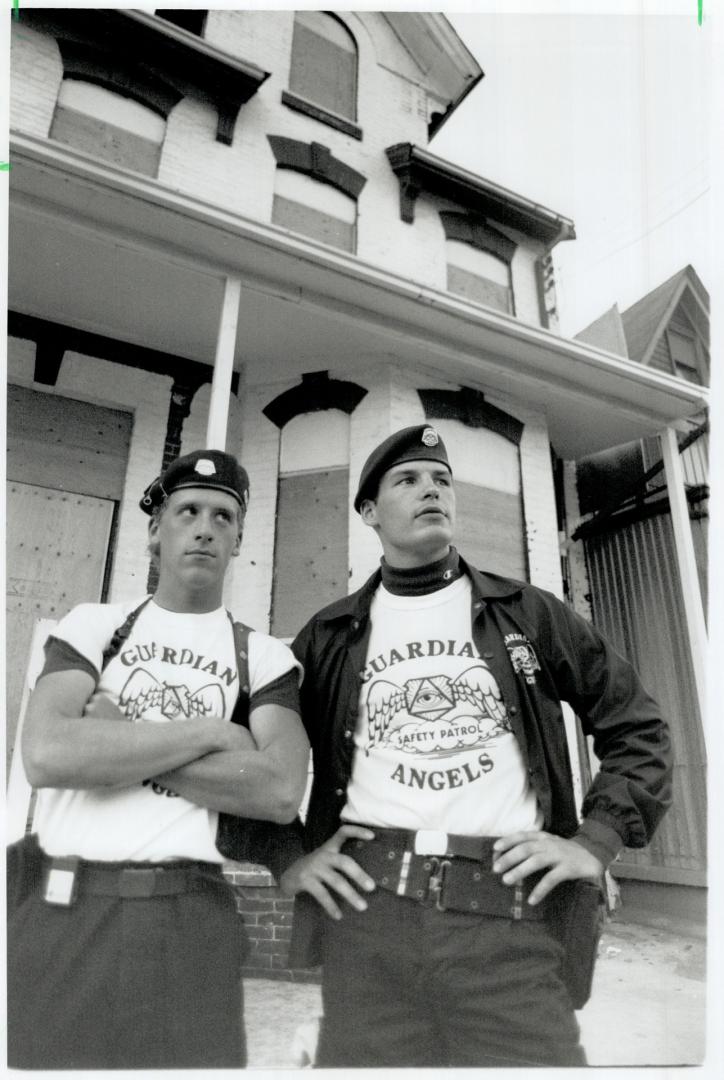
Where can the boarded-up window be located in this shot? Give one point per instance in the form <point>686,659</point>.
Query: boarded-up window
<point>314,223</point>
<point>478,275</point>
<point>58,442</point>
<point>324,63</point>
<point>311,547</point>
<point>490,532</point>
<point>109,126</point>
<point>66,467</point>
<point>480,289</point>
<point>315,209</point>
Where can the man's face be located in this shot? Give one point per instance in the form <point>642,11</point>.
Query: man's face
<point>197,533</point>
<point>413,513</point>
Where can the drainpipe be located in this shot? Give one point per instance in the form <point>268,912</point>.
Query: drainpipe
<point>223,365</point>
<point>686,561</point>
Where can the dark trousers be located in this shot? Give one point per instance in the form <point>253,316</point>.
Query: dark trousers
<point>410,986</point>
<point>126,983</point>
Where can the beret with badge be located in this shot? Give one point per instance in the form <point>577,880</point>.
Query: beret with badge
<point>202,468</point>
<point>418,443</point>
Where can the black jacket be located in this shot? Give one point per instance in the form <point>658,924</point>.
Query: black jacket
<point>541,653</point>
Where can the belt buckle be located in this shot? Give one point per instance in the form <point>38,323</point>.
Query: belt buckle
<point>437,880</point>
<point>137,884</point>
<point>430,842</point>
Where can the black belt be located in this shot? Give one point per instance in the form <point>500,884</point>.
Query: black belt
<point>135,881</point>
<point>457,875</point>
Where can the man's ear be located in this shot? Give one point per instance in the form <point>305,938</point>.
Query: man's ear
<point>237,546</point>
<point>368,512</point>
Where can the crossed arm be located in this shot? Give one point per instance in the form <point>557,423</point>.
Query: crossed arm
<point>75,738</point>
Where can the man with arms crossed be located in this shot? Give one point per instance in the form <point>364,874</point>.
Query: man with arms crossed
<point>124,946</point>
<point>442,815</point>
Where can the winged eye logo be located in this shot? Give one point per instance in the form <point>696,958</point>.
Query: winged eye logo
<point>145,698</point>
<point>436,714</point>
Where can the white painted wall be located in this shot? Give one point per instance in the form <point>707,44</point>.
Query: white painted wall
<point>392,108</point>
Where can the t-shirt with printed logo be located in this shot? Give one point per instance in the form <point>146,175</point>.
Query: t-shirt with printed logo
<point>173,666</point>
<point>434,748</point>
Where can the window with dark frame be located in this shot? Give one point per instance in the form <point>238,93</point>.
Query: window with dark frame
<point>324,63</point>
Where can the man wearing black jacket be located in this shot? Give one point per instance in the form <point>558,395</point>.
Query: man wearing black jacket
<point>444,846</point>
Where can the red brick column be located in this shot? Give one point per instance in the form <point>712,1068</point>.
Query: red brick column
<point>267,918</point>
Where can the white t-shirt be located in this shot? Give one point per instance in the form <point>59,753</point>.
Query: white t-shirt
<point>173,666</point>
<point>434,747</point>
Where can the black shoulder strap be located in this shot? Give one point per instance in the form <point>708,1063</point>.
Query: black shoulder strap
<point>240,714</point>
<point>115,645</point>
<point>241,632</point>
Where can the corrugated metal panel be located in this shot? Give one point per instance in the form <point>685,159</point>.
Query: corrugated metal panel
<point>695,466</point>
<point>310,562</point>
<point>636,601</point>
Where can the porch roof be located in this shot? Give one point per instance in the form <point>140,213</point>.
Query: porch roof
<point>105,250</point>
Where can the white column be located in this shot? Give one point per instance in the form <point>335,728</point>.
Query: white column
<point>686,561</point>
<point>223,365</point>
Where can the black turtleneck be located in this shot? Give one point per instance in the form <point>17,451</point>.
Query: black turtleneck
<point>419,580</point>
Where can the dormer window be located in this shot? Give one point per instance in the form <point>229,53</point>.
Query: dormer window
<point>324,63</point>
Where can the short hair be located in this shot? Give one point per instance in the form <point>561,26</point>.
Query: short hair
<point>154,544</point>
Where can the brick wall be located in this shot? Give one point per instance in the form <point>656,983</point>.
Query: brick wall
<point>392,108</point>
<point>267,919</point>
<point>36,72</point>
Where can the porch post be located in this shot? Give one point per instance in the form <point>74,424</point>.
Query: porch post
<point>223,365</point>
<point>686,561</point>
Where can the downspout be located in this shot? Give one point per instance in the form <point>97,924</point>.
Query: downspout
<point>686,562</point>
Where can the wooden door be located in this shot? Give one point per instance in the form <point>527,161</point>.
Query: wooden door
<point>57,545</point>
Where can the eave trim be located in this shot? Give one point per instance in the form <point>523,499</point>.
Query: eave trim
<point>419,172</point>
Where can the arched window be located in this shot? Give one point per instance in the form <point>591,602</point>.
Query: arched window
<point>315,193</point>
<point>311,541</point>
<point>310,551</point>
<point>109,126</point>
<point>478,276</point>
<point>490,528</point>
<point>315,209</point>
<point>324,63</point>
<point>478,261</point>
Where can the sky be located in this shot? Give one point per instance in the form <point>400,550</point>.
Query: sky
<point>606,119</point>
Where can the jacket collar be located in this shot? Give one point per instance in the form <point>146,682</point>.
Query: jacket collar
<point>357,604</point>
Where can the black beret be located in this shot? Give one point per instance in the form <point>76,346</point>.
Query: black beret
<point>202,468</point>
<point>420,442</point>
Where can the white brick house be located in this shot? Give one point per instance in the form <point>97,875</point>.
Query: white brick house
<point>227,228</point>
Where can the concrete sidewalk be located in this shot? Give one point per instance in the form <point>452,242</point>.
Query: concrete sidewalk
<point>647,1005</point>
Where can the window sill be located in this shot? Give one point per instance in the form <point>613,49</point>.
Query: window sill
<point>322,115</point>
